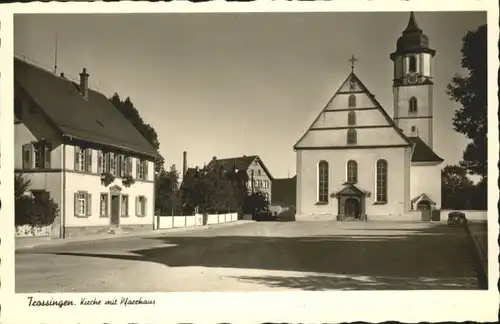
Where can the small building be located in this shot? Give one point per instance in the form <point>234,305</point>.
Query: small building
<point>260,179</point>
<point>78,148</point>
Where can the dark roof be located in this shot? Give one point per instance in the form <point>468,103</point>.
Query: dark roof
<point>240,163</point>
<point>422,152</point>
<point>283,191</point>
<point>94,120</point>
<point>413,40</point>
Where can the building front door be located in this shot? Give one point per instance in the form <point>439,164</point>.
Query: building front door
<point>351,208</point>
<point>115,210</point>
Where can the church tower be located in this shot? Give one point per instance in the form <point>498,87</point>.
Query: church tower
<point>412,83</point>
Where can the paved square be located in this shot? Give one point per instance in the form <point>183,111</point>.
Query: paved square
<point>258,256</point>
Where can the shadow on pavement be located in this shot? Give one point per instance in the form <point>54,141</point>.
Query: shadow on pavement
<point>436,257</point>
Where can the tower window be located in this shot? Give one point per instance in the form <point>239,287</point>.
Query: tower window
<point>351,118</point>
<point>351,136</point>
<point>413,64</point>
<point>352,101</point>
<point>413,105</point>
<point>413,129</point>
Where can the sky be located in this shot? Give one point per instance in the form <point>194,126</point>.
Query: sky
<point>233,84</point>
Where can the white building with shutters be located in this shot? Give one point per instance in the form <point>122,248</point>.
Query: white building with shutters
<point>77,147</point>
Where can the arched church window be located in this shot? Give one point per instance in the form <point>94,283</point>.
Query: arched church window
<point>351,136</point>
<point>352,171</point>
<point>323,181</point>
<point>352,101</point>
<point>413,64</point>
<point>381,181</point>
<point>413,105</point>
<point>352,84</point>
<point>351,118</point>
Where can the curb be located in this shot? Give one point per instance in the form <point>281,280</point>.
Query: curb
<point>157,232</point>
<point>480,257</point>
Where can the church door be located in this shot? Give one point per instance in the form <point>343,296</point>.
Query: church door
<point>351,208</point>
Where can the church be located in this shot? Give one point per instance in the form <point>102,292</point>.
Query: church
<point>357,162</point>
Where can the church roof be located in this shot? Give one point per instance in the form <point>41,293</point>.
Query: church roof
<point>422,152</point>
<point>373,125</point>
<point>413,40</point>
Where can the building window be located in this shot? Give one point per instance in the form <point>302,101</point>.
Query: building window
<point>351,118</point>
<point>413,105</point>
<point>352,101</point>
<point>142,169</point>
<point>83,204</point>
<point>352,171</point>
<point>124,206</point>
<point>352,84</point>
<point>382,181</point>
<point>125,166</point>
<point>103,205</point>
<point>413,129</point>
<point>102,162</point>
<point>83,159</point>
<point>266,184</point>
<point>37,155</point>
<point>266,195</point>
<point>323,181</point>
<point>351,136</point>
<point>249,184</point>
<point>413,64</point>
<point>140,206</point>
<point>113,164</point>
<point>258,172</point>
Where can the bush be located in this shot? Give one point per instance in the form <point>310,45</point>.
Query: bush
<point>35,211</point>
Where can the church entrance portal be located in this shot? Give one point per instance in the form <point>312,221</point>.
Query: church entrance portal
<point>351,208</point>
<point>351,203</point>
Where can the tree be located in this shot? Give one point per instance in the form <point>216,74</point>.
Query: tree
<point>167,197</point>
<point>129,111</point>
<point>471,93</point>
<point>456,187</point>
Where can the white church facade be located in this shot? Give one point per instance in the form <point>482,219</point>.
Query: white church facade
<point>357,162</point>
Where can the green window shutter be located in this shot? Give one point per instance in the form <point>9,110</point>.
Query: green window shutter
<point>77,156</point>
<point>107,167</point>
<point>145,207</point>
<point>89,204</point>
<point>145,164</point>
<point>88,160</point>
<point>137,206</point>
<point>76,203</point>
<point>118,165</point>
<point>99,161</point>
<point>48,152</point>
<point>129,166</point>
<point>27,156</point>
<point>137,166</point>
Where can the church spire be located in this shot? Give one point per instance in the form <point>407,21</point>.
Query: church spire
<point>412,25</point>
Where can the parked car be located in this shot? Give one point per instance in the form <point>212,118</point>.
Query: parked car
<point>456,218</point>
<point>265,215</point>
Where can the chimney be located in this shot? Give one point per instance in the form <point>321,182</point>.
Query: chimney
<point>62,75</point>
<point>84,83</point>
<point>184,163</point>
<point>214,158</point>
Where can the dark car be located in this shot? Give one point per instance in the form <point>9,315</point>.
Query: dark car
<point>264,215</point>
<point>456,219</point>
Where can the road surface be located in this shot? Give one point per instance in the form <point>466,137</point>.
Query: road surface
<point>258,257</point>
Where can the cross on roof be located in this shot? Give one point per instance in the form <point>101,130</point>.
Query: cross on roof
<point>352,60</point>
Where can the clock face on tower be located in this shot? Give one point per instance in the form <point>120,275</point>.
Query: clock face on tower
<point>412,78</point>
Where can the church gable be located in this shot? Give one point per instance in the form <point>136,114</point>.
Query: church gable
<point>352,118</point>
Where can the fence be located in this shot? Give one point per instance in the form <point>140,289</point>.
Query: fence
<point>193,220</point>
